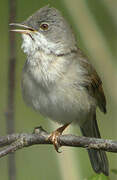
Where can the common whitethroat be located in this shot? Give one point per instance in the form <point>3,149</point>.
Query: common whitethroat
<point>58,80</point>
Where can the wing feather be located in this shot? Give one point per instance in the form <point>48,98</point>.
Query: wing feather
<point>93,83</point>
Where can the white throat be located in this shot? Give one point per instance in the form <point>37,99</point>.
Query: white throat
<point>38,42</point>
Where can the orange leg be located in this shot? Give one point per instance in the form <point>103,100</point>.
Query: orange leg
<point>55,134</point>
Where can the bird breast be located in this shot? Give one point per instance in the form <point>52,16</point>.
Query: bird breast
<point>52,88</point>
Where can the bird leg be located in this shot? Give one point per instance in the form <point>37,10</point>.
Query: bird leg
<point>54,136</point>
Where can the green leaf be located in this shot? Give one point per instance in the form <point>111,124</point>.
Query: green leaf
<point>98,177</point>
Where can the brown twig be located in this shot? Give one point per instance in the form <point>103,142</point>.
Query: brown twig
<point>11,88</point>
<point>14,142</point>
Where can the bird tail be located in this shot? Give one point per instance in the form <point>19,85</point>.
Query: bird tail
<point>98,158</point>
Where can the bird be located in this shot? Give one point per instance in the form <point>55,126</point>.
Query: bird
<point>58,79</point>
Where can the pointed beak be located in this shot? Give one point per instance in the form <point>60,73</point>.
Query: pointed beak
<point>24,28</point>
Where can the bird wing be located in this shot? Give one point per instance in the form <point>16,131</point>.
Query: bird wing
<point>93,83</point>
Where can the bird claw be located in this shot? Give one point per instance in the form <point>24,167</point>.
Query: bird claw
<point>54,137</point>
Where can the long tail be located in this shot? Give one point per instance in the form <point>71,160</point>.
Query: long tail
<point>98,158</point>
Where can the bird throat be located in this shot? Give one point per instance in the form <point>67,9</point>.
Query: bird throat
<point>31,45</point>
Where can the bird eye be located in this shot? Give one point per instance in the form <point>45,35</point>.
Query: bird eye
<point>44,26</point>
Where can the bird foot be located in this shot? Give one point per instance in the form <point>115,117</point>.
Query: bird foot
<point>54,136</point>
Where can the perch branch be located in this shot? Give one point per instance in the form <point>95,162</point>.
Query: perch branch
<point>13,142</point>
<point>10,110</point>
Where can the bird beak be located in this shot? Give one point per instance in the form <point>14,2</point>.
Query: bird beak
<point>25,29</point>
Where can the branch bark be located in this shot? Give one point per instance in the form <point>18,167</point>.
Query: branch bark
<point>14,142</point>
<point>10,123</point>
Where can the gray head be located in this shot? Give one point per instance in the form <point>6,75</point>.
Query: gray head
<point>47,30</point>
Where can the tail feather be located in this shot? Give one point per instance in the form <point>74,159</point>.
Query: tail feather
<point>98,158</point>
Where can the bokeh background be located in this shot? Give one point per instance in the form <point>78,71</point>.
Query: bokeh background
<point>95,25</point>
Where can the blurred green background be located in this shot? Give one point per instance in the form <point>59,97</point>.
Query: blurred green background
<point>95,25</point>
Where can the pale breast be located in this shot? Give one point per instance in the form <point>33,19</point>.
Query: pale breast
<point>59,104</point>
<point>56,93</point>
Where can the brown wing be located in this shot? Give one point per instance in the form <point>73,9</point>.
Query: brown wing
<point>93,83</point>
<point>96,90</point>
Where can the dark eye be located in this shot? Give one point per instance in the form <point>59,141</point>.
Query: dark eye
<point>44,26</point>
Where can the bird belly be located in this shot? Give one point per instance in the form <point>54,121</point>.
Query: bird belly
<point>62,105</point>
